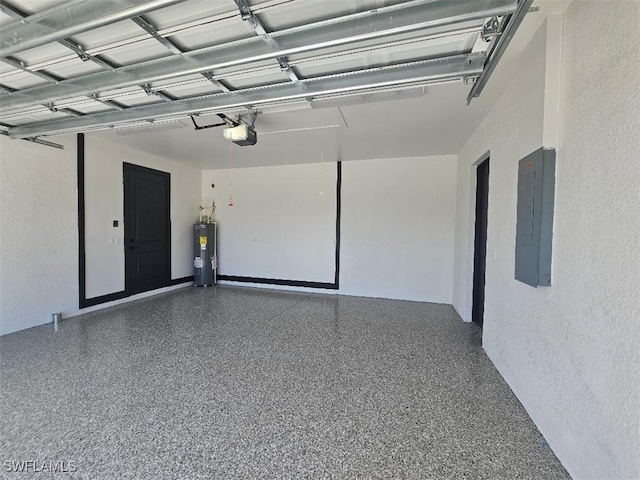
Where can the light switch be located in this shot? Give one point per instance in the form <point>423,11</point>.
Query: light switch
<point>115,223</point>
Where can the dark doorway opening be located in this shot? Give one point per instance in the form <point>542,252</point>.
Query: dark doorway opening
<point>147,229</point>
<point>480,242</point>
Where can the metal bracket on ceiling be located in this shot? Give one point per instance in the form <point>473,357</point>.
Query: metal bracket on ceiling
<point>490,29</point>
<point>106,101</point>
<point>211,77</point>
<point>286,68</point>
<point>204,127</point>
<point>510,28</point>
<point>147,89</point>
<point>157,93</point>
<point>79,51</point>
<point>252,115</point>
<point>151,30</point>
<point>245,10</point>
<point>229,121</point>
<point>37,140</point>
<point>248,16</point>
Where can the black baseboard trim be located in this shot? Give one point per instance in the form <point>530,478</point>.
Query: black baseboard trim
<point>110,297</point>
<point>91,302</point>
<point>278,281</point>
<point>335,285</point>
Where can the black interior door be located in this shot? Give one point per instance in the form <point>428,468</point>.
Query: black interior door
<point>146,228</point>
<point>480,242</point>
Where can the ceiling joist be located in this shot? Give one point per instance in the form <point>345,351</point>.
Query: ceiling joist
<point>386,21</point>
<point>441,69</point>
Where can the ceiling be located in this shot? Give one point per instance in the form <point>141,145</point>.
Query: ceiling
<point>324,80</point>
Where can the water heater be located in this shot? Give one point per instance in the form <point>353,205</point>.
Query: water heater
<point>205,261</point>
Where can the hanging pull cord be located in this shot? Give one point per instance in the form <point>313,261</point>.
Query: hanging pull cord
<point>322,141</point>
<point>230,175</point>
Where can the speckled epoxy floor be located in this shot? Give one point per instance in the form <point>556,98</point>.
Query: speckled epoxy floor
<point>227,382</point>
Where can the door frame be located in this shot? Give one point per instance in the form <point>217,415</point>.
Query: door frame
<point>480,231</point>
<point>83,301</point>
<point>131,167</point>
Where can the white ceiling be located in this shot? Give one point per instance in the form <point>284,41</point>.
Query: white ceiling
<point>438,122</point>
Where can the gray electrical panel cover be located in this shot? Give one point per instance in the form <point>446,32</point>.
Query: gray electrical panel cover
<point>534,228</point>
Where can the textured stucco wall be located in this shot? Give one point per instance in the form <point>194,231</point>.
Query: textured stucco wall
<point>39,225</point>
<point>570,352</point>
<point>38,232</point>
<point>597,325</point>
<point>282,224</point>
<point>397,225</point>
<point>398,228</point>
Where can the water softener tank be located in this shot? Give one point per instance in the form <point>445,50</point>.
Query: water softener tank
<point>204,253</point>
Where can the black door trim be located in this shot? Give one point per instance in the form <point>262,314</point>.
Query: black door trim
<point>82,258</point>
<point>480,241</point>
<point>83,301</point>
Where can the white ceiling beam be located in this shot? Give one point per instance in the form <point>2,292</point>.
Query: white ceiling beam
<point>396,19</point>
<point>458,66</point>
<point>70,18</point>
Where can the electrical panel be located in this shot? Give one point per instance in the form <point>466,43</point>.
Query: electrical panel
<point>534,228</point>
